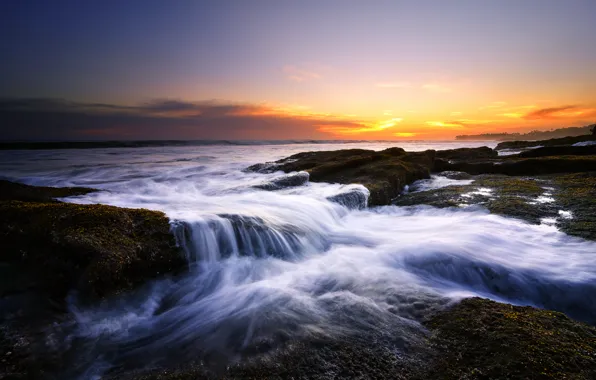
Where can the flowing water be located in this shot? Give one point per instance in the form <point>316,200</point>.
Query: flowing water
<point>275,266</point>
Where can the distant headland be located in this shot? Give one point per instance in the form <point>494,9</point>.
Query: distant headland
<point>533,135</point>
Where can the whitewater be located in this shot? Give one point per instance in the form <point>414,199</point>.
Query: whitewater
<point>285,265</point>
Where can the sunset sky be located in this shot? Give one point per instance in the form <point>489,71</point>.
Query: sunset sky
<point>324,69</point>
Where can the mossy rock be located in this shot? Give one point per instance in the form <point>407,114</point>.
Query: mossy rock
<point>510,196</point>
<point>467,153</point>
<point>20,192</point>
<point>519,166</point>
<point>96,250</point>
<point>483,339</point>
<point>384,173</point>
<point>50,249</point>
<point>577,193</point>
<point>551,142</point>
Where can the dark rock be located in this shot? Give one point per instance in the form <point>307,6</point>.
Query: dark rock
<point>353,199</point>
<point>384,173</point>
<point>522,166</point>
<point>52,249</point>
<point>560,151</point>
<point>577,193</point>
<point>265,168</point>
<point>96,250</point>
<point>20,192</point>
<point>455,175</point>
<point>290,180</point>
<point>552,142</point>
<point>482,339</point>
<point>467,153</point>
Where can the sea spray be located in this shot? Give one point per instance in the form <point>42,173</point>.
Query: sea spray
<point>295,264</point>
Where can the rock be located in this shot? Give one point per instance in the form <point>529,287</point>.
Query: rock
<point>20,192</point>
<point>268,167</point>
<point>96,250</point>
<point>290,180</point>
<point>353,199</point>
<point>479,338</point>
<point>383,173</point>
<point>467,153</point>
<point>560,151</point>
<point>455,175</point>
<point>50,249</point>
<point>552,142</point>
<point>516,166</point>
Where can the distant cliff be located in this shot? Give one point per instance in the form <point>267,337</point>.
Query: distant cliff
<point>534,135</point>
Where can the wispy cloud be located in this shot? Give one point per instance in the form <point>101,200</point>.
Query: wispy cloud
<point>379,126</point>
<point>404,134</point>
<point>445,124</point>
<point>562,112</point>
<point>25,119</point>
<point>301,73</point>
<point>456,113</point>
<point>436,88</point>
<point>459,123</point>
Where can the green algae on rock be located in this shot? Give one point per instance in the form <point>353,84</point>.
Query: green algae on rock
<point>576,193</point>
<point>383,173</point>
<point>11,191</point>
<point>482,339</point>
<point>50,248</point>
<point>97,250</point>
<point>552,142</point>
<point>515,166</point>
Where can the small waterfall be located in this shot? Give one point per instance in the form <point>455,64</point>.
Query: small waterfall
<point>226,235</point>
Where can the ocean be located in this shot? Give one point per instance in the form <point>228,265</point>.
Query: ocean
<point>276,266</point>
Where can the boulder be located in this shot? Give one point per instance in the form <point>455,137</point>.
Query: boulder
<point>483,339</point>
<point>353,199</point>
<point>52,249</point>
<point>283,182</point>
<point>383,173</point>
<point>551,142</point>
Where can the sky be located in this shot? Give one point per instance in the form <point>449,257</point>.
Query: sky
<point>281,69</point>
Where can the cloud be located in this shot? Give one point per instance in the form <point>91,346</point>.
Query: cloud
<point>352,128</point>
<point>458,124</point>
<point>436,88</point>
<point>456,113</point>
<point>445,124</point>
<point>55,119</point>
<point>562,112</point>
<point>404,134</point>
<point>303,73</point>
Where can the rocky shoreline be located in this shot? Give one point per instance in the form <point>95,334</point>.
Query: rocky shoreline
<point>53,250</point>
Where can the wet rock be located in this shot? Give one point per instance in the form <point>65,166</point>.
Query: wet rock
<point>290,180</point>
<point>383,173</point>
<point>455,175</point>
<point>353,199</point>
<point>552,142</point>
<point>50,249</point>
<point>20,192</point>
<point>265,168</point>
<point>467,153</point>
<point>516,166</point>
<point>479,338</point>
<point>560,151</point>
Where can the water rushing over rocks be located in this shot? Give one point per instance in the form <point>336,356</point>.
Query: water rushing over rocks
<point>303,262</point>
